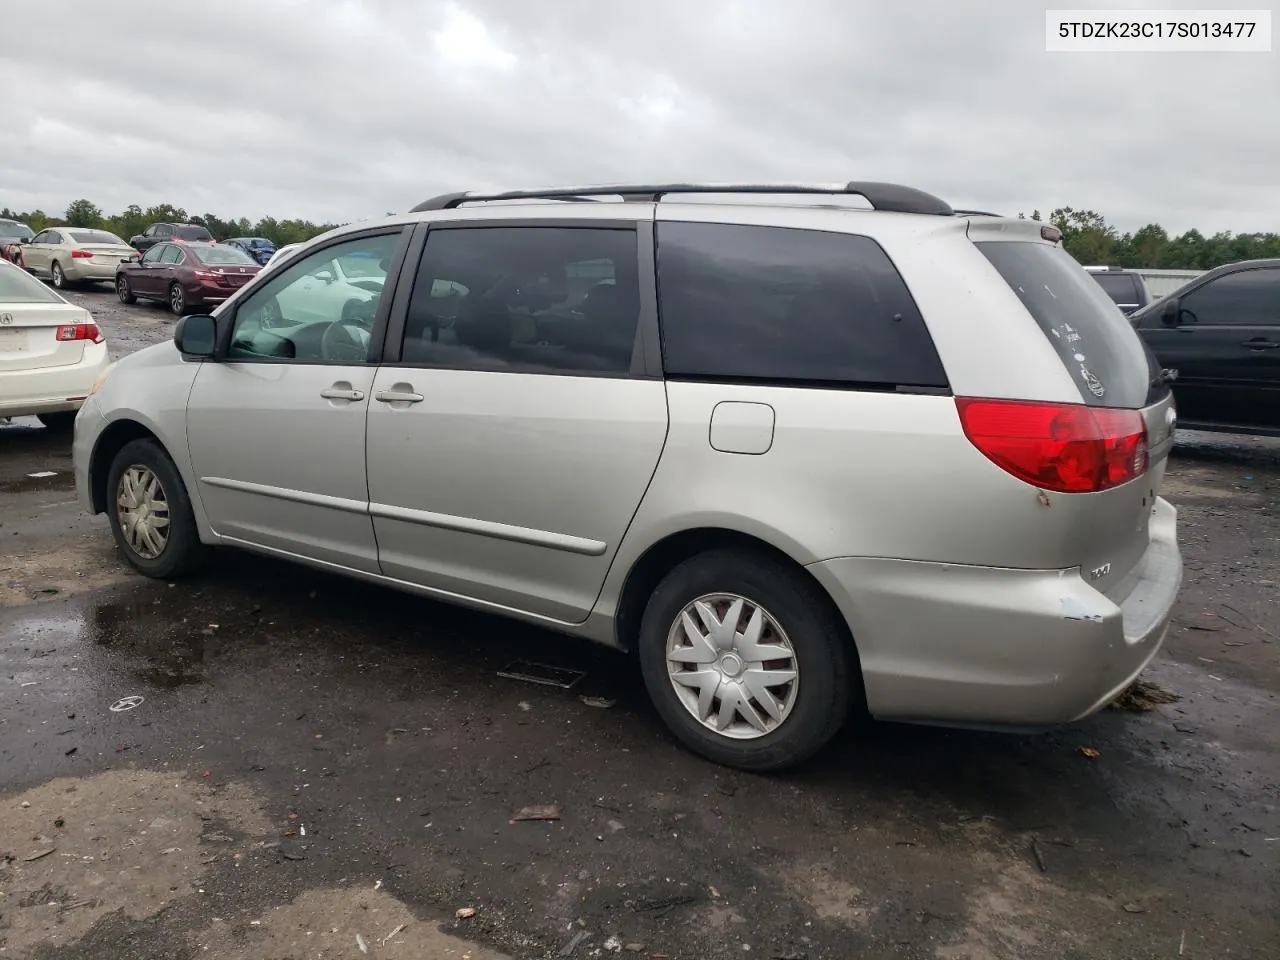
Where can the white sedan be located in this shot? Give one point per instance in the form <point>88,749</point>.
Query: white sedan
<point>51,351</point>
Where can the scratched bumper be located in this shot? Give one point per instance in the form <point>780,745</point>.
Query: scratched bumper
<point>998,647</point>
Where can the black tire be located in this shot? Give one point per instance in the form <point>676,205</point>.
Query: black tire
<point>61,422</point>
<point>177,299</point>
<point>182,551</point>
<point>57,276</point>
<point>825,659</point>
<point>125,292</point>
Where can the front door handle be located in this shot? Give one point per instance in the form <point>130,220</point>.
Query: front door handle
<point>339,392</point>
<point>1260,343</point>
<point>400,393</point>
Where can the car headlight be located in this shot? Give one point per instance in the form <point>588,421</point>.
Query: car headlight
<point>102,378</point>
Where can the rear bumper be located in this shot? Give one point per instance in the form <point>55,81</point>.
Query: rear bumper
<point>25,393</point>
<point>77,270</point>
<point>1002,647</point>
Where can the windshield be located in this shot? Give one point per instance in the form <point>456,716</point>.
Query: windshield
<point>95,236</point>
<point>192,233</point>
<point>18,231</point>
<point>18,286</point>
<point>223,254</point>
<point>1094,341</point>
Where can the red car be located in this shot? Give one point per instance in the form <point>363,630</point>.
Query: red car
<point>186,276</point>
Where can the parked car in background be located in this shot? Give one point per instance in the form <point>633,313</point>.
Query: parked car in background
<point>1218,339</point>
<point>282,252</point>
<point>896,461</point>
<point>260,248</point>
<point>1125,287</point>
<point>164,232</point>
<point>186,276</point>
<point>69,255</point>
<point>51,351</point>
<point>12,233</point>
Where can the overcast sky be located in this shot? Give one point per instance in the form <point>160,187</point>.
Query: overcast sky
<point>344,109</point>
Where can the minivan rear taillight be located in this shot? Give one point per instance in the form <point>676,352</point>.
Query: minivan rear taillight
<point>1065,447</point>
<point>79,331</point>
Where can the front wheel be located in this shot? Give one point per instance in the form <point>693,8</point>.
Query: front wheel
<point>150,512</point>
<point>746,660</point>
<point>59,278</point>
<point>124,292</point>
<point>177,299</point>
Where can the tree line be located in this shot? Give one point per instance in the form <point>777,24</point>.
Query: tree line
<point>1090,239</point>
<point>1085,233</point>
<point>134,220</point>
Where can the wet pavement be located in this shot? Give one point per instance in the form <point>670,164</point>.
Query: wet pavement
<point>308,764</point>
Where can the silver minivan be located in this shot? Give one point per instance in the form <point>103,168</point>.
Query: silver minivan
<point>800,458</point>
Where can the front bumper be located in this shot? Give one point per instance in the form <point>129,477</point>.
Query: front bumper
<point>89,426</point>
<point>948,643</point>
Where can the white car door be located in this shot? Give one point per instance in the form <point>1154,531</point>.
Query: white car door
<point>276,423</point>
<point>516,422</point>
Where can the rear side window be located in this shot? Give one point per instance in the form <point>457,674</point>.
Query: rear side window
<point>759,303</point>
<point>1096,343</point>
<point>1120,287</point>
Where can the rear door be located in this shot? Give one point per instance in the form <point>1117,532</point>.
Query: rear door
<point>1225,347</point>
<point>518,419</point>
<point>30,315</point>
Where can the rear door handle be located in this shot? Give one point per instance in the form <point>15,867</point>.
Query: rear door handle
<point>1260,343</point>
<point>342,393</point>
<point>398,396</point>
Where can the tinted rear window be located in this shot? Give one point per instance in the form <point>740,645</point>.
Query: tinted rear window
<point>18,286</point>
<point>1093,340</point>
<point>192,233</point>
<point>760,303</point>
<point>222,253</point>
<point>1120,287</point>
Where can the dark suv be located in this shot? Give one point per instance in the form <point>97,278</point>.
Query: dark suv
<point>164,232</point>
<point>1218,338</point>
<point>1125,287</point>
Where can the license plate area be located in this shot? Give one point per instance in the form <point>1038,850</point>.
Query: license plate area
<point>13,341</point>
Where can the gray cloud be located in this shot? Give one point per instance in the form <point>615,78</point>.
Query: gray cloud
<point>343,109</point>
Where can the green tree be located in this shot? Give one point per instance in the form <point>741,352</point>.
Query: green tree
<point>83,213</point>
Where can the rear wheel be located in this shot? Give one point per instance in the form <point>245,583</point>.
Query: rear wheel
<point>124,291</point>
<point>59,278</point>
<point>150,511</point>
<point>177,299</point>
<point>745,660</point>
<point>60,422</point>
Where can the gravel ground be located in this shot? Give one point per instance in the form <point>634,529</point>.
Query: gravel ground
<point>319,768</point>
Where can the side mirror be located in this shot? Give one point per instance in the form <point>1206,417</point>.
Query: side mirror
<point>1171,315</point>
<point>196,335</point>
<point>325,275</point>
<point>25,240</point>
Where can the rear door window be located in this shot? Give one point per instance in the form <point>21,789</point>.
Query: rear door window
<point>192,233</point>
<point>775,304</point>
<point>1097,345</point>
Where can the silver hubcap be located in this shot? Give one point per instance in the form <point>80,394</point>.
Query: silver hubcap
<point>57,275</point>
<point>175,298</point>
<point>732,666</point>
<point>122,288</point>
<point>143,511</point>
